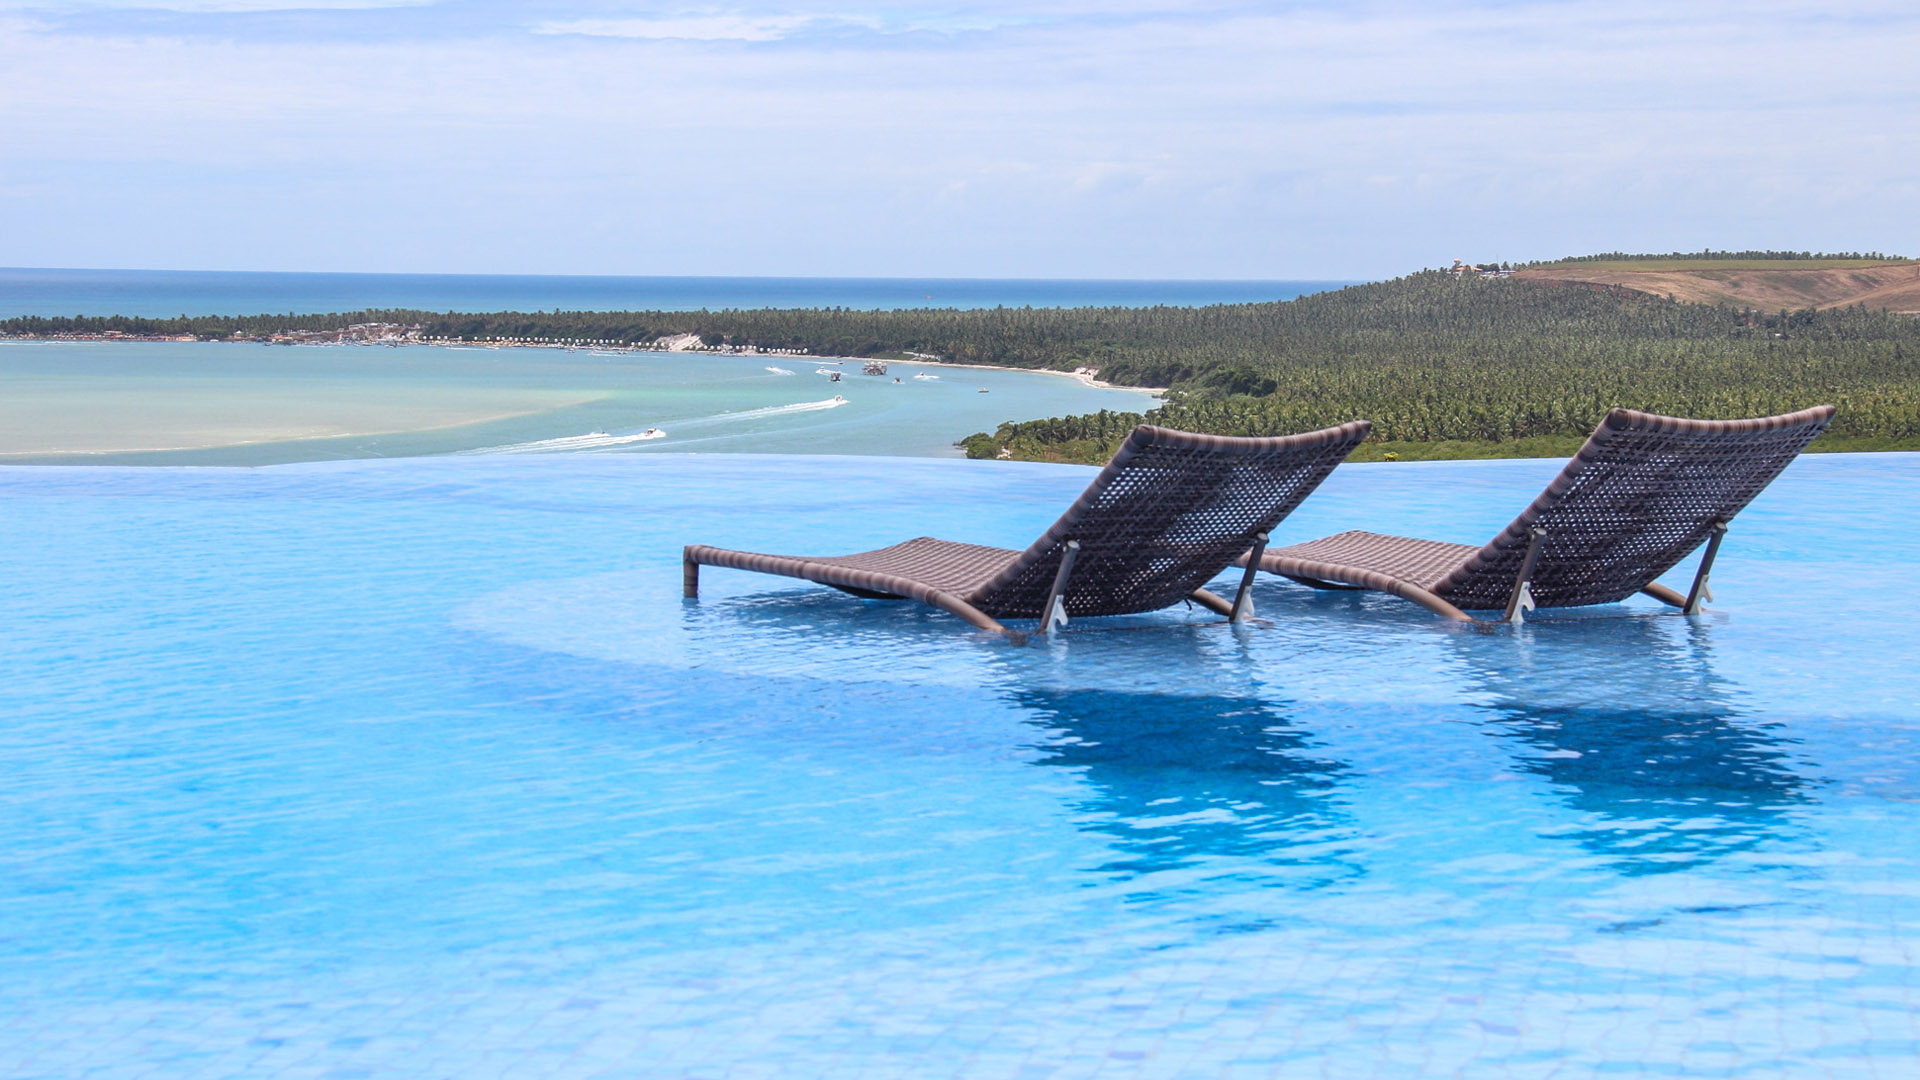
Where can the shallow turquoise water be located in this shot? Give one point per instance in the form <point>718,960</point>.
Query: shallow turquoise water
<point>422,767</point>
<point>219,403</point>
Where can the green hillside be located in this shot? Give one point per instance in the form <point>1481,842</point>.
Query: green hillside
<point>1444,365</point>
<point>1475,367</point>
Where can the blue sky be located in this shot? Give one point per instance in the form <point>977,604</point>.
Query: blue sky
<point>1052,138</point>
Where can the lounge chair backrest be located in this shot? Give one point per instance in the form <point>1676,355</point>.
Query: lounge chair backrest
<point>1642,493</point>
<point>1170,511</point>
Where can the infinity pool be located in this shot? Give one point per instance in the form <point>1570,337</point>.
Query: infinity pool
<point>423,768</point>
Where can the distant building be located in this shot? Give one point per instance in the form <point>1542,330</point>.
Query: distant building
<point>678,342</point>
<point>1462,269</point>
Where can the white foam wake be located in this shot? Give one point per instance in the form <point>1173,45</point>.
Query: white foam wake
<point>600,440</point>
<point>779,371</point>
<point>833,402</point>
<point>596,440</point>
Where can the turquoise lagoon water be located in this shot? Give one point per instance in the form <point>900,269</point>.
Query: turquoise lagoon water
<point>424,768</point>
<point>219,403</point>
<point>166,293</point>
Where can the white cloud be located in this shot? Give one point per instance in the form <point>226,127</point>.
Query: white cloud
<point>1338,141</point>
<point>717,27</point>
<point>210,6</point>
<point>746,26</point>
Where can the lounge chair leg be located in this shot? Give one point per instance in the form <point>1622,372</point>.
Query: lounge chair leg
<point>689,576</point>
<point>1700,592</point>
<point>1212,603</point>
<point>954,605</point>
<point>1522,599</point>
<point>1436,605</point>
<point>1243,600</point>
<point>1665,595</point>
<point>1056,609</point>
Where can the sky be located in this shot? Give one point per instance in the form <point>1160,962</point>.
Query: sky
<point>1044,138</point>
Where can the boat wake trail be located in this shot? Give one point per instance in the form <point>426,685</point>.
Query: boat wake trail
<point>833,402</point>
<point>779,371</point>
<point>596,440</point>
<point>600,440</point>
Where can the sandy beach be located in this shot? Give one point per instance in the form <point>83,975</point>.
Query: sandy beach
<point>1079,376</point>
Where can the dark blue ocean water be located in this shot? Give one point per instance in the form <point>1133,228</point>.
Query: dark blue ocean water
<point>164,293</point>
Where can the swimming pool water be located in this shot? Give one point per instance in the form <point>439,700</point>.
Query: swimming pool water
<point>424,768</point>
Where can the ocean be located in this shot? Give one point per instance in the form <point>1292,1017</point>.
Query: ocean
<point>167,293</point>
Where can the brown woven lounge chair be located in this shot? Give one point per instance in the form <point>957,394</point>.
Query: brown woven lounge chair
<point>1170,511</point>
<point>1642,493</point>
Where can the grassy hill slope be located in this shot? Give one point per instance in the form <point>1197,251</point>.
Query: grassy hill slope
<point>1771,285</point>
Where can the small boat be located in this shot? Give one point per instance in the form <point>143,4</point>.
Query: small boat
<point>982,390</point>
<point>924,375</point>
<point>873,367</point>
<point>833,376</point>
<point>838,400</point>
<point>653,433</point>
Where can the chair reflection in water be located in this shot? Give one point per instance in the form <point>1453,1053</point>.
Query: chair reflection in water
<point>1627,720</point>
<point>1180,780</point>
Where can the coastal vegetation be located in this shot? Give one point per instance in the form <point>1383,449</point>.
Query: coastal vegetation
<point>1444,364</point>
<point>1450,366</point>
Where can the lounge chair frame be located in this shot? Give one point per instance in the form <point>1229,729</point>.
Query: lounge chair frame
<point>1642,494</point>
<point>1167,513</point>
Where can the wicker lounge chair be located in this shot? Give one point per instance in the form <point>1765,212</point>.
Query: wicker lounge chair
<point>1642,493</point>
<point>1170,511</point>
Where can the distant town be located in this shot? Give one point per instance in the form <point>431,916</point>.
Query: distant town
<point>396,334</point>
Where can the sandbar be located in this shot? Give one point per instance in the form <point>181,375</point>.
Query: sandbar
<point>66,415</point>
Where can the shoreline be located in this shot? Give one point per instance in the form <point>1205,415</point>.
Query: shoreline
<point>1081,376</point>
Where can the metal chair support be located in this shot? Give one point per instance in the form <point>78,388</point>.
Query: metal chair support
<point>1700,592</point>
<point>1056,609</point>
<point>1522,598</point>
<point>1243,599</point>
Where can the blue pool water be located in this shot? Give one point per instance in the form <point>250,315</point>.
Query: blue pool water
<point>166,293</point>
<point>423,768</point>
